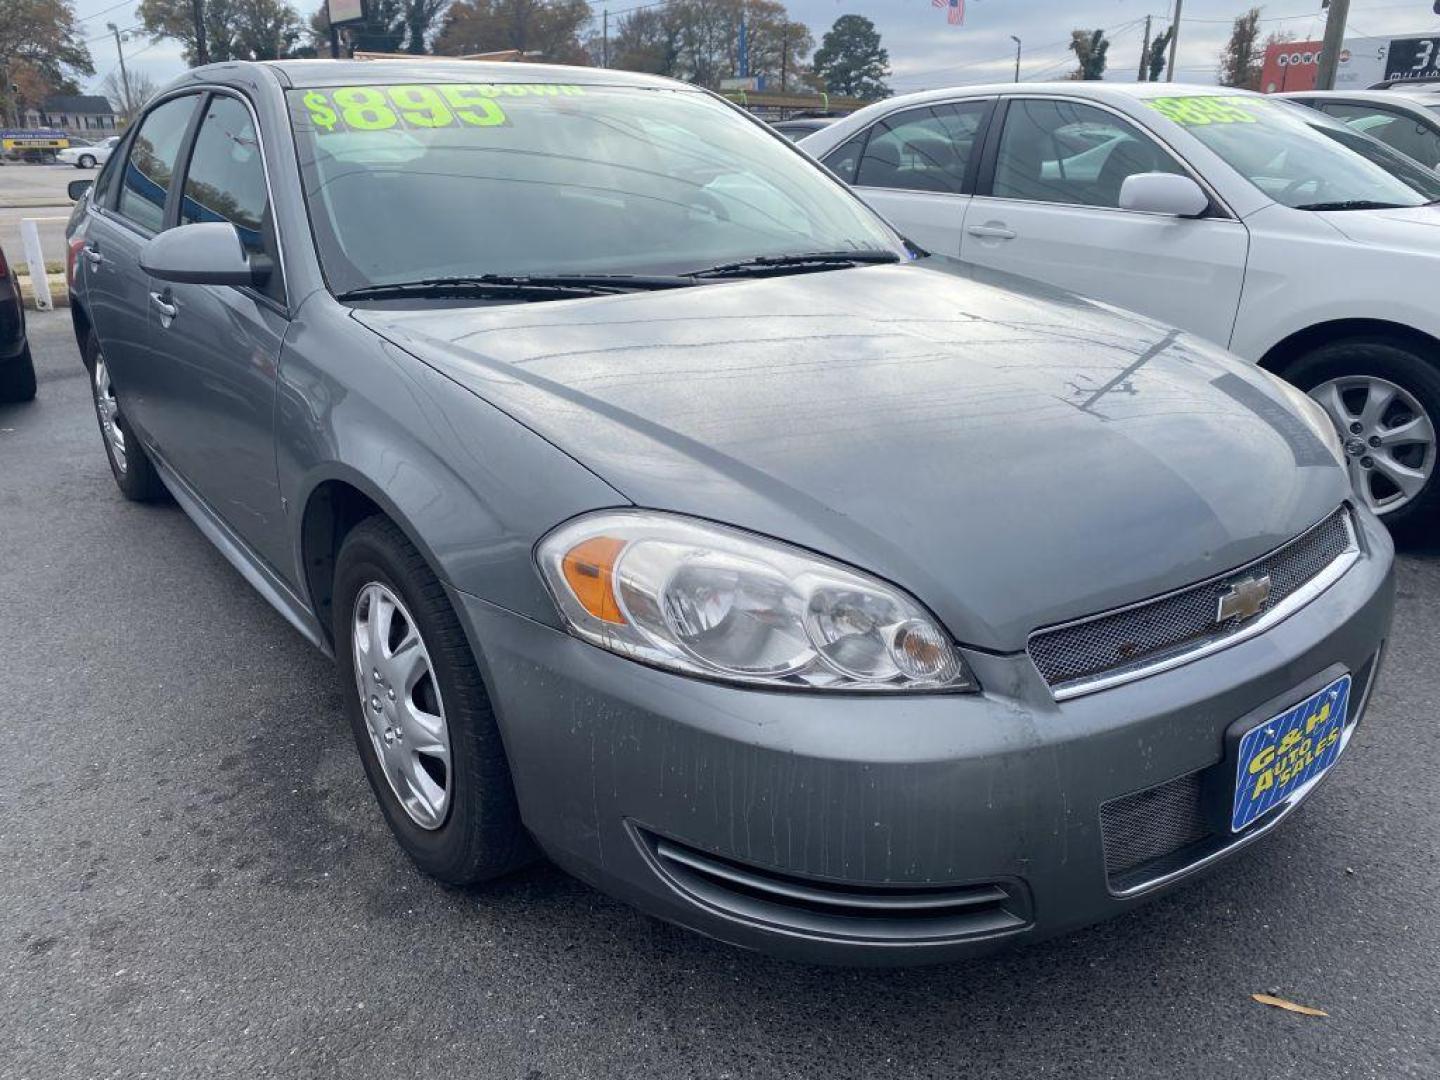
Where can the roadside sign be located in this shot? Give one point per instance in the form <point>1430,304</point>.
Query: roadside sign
<point>345,11</point>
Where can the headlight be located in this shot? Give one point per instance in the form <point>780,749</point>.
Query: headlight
<point>1316,417</point>
<point>713,601</point>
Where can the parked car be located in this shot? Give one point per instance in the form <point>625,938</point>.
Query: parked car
<point>664,510</point>
<point>1228,214</point>
<point>802,126</point>
<point>1408,122</point>
<point>86,155</point>
<point>17,368</point>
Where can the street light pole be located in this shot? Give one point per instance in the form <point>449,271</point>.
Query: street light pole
<point>1334,42</point>
<point>1016,40</point>
<point>1174,41</point>
<point>124,75</point>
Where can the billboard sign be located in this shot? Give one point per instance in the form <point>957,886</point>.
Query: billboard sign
<point>1290,65</point>
<point>1413,58</point>
<point>345,11</point>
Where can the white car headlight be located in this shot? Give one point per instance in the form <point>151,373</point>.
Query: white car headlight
<point>717,602</point>
<point>1316,417</point>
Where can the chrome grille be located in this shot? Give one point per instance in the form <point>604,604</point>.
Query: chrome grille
<point>1133,639</point>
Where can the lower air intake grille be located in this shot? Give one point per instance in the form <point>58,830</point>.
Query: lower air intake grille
<point>1151,824</point>
<point>1178,622</point>
<point>853,912</point>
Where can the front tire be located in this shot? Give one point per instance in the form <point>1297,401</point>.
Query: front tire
<point>1384,398</point>
<point>419,711</point>
<point>134,473</point>
<point>85,162</point>
<point>17,378</point>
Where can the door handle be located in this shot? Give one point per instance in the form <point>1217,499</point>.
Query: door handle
<point>161,303</point>
<point>92,256</point>
<point>992,232</point>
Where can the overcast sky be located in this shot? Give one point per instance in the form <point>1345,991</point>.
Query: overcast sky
<point>925,51</point>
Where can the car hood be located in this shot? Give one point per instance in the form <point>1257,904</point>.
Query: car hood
<point>1011,455</point>
<point>1406,227</point>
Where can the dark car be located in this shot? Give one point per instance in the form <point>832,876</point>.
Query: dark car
<point>17,369</point>
<point>666,513</point>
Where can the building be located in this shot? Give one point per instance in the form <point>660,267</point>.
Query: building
<point>89,115</point>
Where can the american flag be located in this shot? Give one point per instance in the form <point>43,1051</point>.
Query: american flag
<point>955,13</point>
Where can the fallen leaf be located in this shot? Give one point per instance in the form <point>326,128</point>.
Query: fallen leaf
<point>1288,1006</point>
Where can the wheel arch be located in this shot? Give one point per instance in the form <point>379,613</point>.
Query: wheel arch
<point>334,504</point>
<point>1285,352</point>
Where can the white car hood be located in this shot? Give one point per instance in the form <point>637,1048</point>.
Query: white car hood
<point>1411,227</point>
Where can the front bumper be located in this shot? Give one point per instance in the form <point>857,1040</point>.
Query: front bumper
<point>861,830</point>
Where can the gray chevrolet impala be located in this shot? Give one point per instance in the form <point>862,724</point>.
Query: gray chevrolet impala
<point>669,515</point>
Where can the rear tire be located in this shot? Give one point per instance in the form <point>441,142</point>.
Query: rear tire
<point>134,473</point>
<point>459,820</point>
<point>17,378</point>
<point>85,162</point>
<point>1391,393</point>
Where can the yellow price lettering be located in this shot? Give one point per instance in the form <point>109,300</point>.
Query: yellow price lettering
<point>364,108</point>
<point>472,106</point>
<point>421,106</point>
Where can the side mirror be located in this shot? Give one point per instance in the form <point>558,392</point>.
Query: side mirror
<point>1163,193</point>
<point>206,253</point>
<point>76,189</point>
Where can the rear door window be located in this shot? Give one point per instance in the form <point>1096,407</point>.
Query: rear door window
<point>150,165</point>
<point>925,149</point>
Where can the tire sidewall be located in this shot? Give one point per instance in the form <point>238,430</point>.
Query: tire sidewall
<point>1402,366</point>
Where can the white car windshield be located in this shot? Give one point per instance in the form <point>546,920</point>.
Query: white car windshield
<point>1286,154</point>
<point>406,183</point>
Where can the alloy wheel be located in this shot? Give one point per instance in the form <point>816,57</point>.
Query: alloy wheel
<point>400,699</point>
<point>1389,438</point>
<point>109,412</point>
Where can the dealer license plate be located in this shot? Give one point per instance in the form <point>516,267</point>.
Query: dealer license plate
<point>1288,751</point>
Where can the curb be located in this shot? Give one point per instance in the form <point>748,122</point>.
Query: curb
<point>36,204</point>
<point>59,292</point>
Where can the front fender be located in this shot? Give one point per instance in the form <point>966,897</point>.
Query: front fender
<point>472,488</point>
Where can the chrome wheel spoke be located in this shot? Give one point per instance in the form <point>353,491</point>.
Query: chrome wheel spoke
<point>408,663</point>
<point>1408,480</point>
<point>1417,429</point>
<point>108,410</point>
<point>1379,395</point>
<point>1333,402</point>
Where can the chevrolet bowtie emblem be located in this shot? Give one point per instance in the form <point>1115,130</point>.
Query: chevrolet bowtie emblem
<point>1244,599</point>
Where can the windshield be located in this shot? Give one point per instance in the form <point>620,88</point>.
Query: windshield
<point>1297,159</point>
<point>406,183</point>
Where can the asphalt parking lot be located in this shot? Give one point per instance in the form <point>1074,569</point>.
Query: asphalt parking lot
<point>197,882</point>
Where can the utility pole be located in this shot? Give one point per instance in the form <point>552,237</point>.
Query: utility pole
<point>605,38</point>
<point>202,51</point>
<point>1144,52</point>
<point>124,75</point>
<point>1174,41</point>
<point>1016,40</point>
<point>1334,42</point>
<point>785,55</point>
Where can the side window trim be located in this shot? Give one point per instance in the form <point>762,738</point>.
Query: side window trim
<point>986,187</point>
<point>182,174</point>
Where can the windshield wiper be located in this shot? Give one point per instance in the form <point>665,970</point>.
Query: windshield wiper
<point>1353,204</point>
<point>517,286</point>
<point>763,265</point>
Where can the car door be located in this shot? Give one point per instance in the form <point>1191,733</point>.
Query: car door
<point>128,209</point>
<point>216,347</point>
<point>1411,135</point>
<point>916,169</point>
<point>1048,207</point>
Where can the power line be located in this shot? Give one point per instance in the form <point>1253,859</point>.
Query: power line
<point>104,11</point>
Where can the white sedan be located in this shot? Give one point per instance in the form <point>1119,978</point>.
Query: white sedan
<point>1296,242</point>
<point>87,157</point>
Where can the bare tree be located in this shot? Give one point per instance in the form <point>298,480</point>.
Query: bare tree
<point>128,102</point>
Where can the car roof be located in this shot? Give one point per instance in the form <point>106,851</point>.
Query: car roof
<point>307,73</point>
<point>1379,96</point>
<point>1096,89</point>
